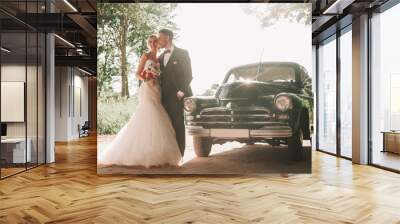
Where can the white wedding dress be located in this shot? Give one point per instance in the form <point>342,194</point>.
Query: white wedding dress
<point>148,139</point>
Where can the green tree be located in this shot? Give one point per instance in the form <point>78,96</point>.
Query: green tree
<point>106,68</point>
<point>125,28</point>
<point>268,14</point>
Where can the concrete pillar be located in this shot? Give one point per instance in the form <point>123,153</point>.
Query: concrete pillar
<point>360,89</point>
<point>50,93</point>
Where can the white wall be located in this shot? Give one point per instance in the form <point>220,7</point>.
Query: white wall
<point>70,83</point>
<point>61,103</point>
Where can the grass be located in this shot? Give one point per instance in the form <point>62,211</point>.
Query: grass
<point>113,113</point>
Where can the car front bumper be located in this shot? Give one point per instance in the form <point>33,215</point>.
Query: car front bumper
<point>266,132</point>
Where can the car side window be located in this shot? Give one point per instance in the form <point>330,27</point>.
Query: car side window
<point>232,78</point>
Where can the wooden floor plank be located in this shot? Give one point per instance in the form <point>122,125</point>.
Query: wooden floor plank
<point>70,191</point>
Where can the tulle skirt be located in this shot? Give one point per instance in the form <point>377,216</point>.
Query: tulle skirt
<point>148,139</point>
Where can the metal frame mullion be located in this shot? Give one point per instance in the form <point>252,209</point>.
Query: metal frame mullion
<point>0,95</point>
<point>316,128</point>
<point>369,96</point>
<point>338,95</point>
<point>26,86</point>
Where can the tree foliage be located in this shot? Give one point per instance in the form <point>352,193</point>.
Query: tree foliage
<point>122,30</point>
<point>269,14</point>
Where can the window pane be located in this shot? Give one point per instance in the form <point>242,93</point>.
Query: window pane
<point>327,97</point>
<point>385,84</point>
<point>346,94</point>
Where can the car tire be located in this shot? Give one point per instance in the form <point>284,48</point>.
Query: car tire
<point>295,145</point>
<point>202,146</point>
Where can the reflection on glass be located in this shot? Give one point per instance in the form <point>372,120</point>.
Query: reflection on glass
<point>31,101</point>
<point>327,97</point>
<point>346,95</point>
<point>385,84</point>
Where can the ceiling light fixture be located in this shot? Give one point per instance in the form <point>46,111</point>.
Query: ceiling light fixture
<point>5,50</point>
<point>64,40</point>
<point>337,7</point>
<point>70,5</point>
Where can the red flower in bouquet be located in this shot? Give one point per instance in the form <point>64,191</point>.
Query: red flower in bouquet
<point>151,71</point>
<point>148,74</point>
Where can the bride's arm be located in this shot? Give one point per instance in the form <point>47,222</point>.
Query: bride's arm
<point>141,67</point>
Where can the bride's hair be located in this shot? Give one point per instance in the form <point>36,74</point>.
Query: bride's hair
<point>151,36</point>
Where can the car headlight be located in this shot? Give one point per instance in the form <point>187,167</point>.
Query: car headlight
<point>283,102</point>
<point>189,105</point>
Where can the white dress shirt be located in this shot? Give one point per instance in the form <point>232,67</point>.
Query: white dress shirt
<point>168,55</point>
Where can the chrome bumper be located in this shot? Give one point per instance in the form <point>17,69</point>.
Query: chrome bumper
<point>226,133</point>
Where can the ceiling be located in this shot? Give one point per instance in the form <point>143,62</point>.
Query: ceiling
<point>73,21</point>
<point>329,16</point>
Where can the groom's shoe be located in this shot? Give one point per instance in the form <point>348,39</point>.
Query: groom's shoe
<point>182,151</point>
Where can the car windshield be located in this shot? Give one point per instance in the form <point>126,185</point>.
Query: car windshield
<point>263,73</point>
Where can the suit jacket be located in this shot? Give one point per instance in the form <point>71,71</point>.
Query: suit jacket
<point>176,75</point>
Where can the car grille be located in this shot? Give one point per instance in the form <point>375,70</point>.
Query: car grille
<point>225,117</point>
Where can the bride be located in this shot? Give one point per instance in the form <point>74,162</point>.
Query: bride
<point>148,139</point>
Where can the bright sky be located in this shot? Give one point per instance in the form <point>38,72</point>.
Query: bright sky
<point>221,36</point>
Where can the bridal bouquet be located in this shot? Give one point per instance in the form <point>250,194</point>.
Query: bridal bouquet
<point>151,71</point>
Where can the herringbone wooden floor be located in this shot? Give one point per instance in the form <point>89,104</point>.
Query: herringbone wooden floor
<point>70,191</point>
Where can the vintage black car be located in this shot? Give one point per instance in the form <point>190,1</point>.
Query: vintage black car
<point>264,102</point>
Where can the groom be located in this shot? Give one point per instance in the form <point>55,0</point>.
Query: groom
<point>176,75</point>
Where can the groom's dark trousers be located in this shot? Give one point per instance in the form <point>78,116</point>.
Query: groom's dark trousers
<point>176,76</point>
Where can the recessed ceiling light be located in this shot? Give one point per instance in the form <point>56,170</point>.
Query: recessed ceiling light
<point>64,40</point>
<point>70,5</point>
<point>5,50</point>
<point>84,71</point>
<point>337,7</point>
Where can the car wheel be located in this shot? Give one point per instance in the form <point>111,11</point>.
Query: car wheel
<point>202,146</point>
<point>295,145</point>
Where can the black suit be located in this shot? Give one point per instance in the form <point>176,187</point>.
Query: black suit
<point>176,76</point>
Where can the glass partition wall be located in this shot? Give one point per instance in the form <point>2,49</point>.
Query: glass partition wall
<point>22,101</point>
<point>334,104</point>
